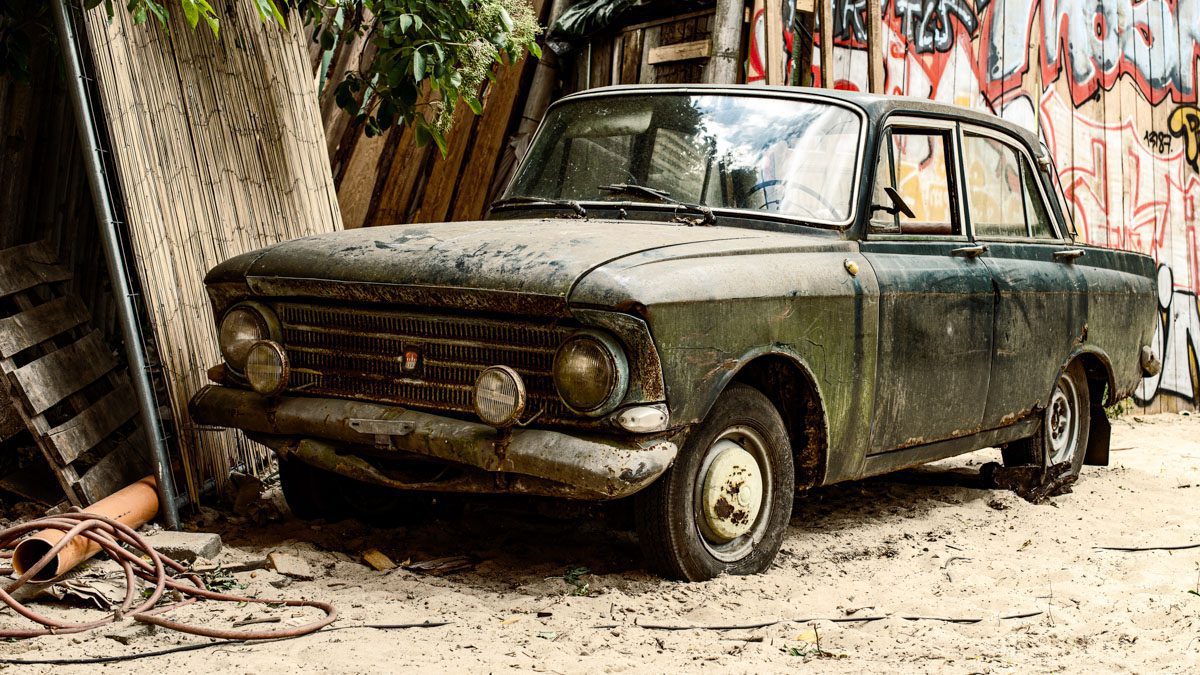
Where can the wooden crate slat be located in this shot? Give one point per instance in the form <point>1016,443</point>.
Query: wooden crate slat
<point>22,331</point>
<point>83,432</point>
<point>24,267</point>
<point>59,374</point>
<point>127,463</point>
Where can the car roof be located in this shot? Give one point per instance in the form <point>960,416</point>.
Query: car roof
<point>875,106</point>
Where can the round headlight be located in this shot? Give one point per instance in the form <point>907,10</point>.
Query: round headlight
<point>499,396</point>
<point>242,326</point>
<point>591,373</point>
<point>267,368</point>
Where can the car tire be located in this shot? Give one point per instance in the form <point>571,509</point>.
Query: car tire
<point>1063,433</point>
<point>725,503</point>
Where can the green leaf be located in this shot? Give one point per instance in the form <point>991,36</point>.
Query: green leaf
<point>473,103</point>
<point>190,12</point>
<point>267,9</point>
<point>439,139</point>
<point>506,20</point>
<point>535,49</point>
<point>406,22</point>
<point>418,65</point>
<point>421,133</point>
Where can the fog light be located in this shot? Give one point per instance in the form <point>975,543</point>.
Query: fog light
<point>267,368</point>
<point>499,396</point>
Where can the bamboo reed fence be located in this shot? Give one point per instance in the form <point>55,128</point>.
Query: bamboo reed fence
<point>219,149</point>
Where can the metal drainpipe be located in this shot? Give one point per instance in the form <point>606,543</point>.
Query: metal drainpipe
<point>131,331</point>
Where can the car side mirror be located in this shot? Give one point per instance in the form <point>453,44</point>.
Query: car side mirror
<point>899,206</point>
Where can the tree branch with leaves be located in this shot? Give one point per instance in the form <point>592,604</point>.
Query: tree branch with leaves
<point>430,55</point>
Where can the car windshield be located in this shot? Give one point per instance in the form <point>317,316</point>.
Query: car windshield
<point>790,157</point>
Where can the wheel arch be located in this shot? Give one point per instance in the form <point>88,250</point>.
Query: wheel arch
<point>787,381</point>
<point>1098,368</point>
<point>1101,392</point>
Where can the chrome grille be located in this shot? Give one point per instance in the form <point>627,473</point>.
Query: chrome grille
<point>358,353</point>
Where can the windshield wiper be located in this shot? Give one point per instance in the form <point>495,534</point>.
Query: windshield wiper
<point>662,196</point>
<point>565,203</point>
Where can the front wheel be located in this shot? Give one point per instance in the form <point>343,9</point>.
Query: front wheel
<point>725,503</point>
<point>1063,434</point>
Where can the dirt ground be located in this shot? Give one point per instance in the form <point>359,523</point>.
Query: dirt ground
<point>924,543</point>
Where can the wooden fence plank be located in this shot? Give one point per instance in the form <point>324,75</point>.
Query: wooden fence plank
<point>24,267</point>
<point>631,57</point>
<point>56,376</point>
<point>83,432</point>
<point>22,331</point>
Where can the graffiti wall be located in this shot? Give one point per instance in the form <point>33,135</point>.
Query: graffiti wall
<point>1111,88</point>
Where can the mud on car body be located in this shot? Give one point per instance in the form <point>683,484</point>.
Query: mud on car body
<point>704,299</point>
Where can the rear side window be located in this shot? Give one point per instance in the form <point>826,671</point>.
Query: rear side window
<point>1003,199</point>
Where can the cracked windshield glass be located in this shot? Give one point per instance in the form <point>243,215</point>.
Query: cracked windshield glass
<point>789,157</point>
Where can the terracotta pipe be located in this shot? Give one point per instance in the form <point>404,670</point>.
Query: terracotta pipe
<point>134,505</point>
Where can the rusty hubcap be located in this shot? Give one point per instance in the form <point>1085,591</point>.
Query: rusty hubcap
<point>733,493</point>
<point>1061,416</point>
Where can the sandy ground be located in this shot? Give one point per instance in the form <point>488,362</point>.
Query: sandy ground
<point>928,543</point>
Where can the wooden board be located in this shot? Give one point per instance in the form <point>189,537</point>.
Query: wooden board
<point>127,463</point>
<point>698,49</point>
<point>63,372</point>
<point>22,331</point>
<point>24,267</point>
<point>82,433</point>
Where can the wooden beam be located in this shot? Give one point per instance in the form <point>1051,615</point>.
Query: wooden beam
<point>682,51</point>
<point>773,43</point>
<point>875,47</point>
<point>725,64</point>
<point>826,43</point>
<point>26,329</point>
<point>61,373</point>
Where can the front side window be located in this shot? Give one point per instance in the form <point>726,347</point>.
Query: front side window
<point>789,157</point>
<point>913,169</point>
<point>1003,198</point>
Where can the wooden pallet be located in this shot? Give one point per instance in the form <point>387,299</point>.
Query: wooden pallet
<point>64,382</point>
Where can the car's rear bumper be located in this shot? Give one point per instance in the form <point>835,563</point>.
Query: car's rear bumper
<point>324,431</point>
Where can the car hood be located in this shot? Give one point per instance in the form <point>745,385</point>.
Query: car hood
<point>543,257</point>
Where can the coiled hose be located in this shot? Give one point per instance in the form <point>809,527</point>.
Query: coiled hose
<point>139,561</point>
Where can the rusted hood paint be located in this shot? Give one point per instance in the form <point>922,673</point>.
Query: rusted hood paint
<point>540,257</point>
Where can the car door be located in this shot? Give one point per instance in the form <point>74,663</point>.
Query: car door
<point>1040,303</point>
<point>936,296</point>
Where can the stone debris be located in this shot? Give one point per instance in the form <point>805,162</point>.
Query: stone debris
<point>291,566</point>
<point>186,547</point>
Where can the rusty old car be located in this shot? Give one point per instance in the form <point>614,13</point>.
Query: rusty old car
<point>705,299</point>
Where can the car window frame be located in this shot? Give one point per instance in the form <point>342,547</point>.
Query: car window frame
<point>954,166</point>
<point>842,226</point>
<point>1033,165</point>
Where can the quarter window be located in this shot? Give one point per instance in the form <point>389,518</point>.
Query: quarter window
<point>914,164</point>
<point>1003,198</point>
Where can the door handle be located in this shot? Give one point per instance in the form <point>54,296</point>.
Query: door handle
<point>973,251</point>
<point>1069,254</point>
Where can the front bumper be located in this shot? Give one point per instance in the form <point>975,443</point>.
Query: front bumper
<point>581,467</point>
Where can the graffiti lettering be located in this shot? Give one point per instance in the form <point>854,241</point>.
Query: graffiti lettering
<point>927,23</point>
<point>1159,141</point>
<point>1176,342</point>
<point>1156,42</point>
<point>1185,123</point>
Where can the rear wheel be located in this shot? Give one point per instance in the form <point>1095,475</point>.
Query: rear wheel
<point>1063,433</point>
<point>724,505</point>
